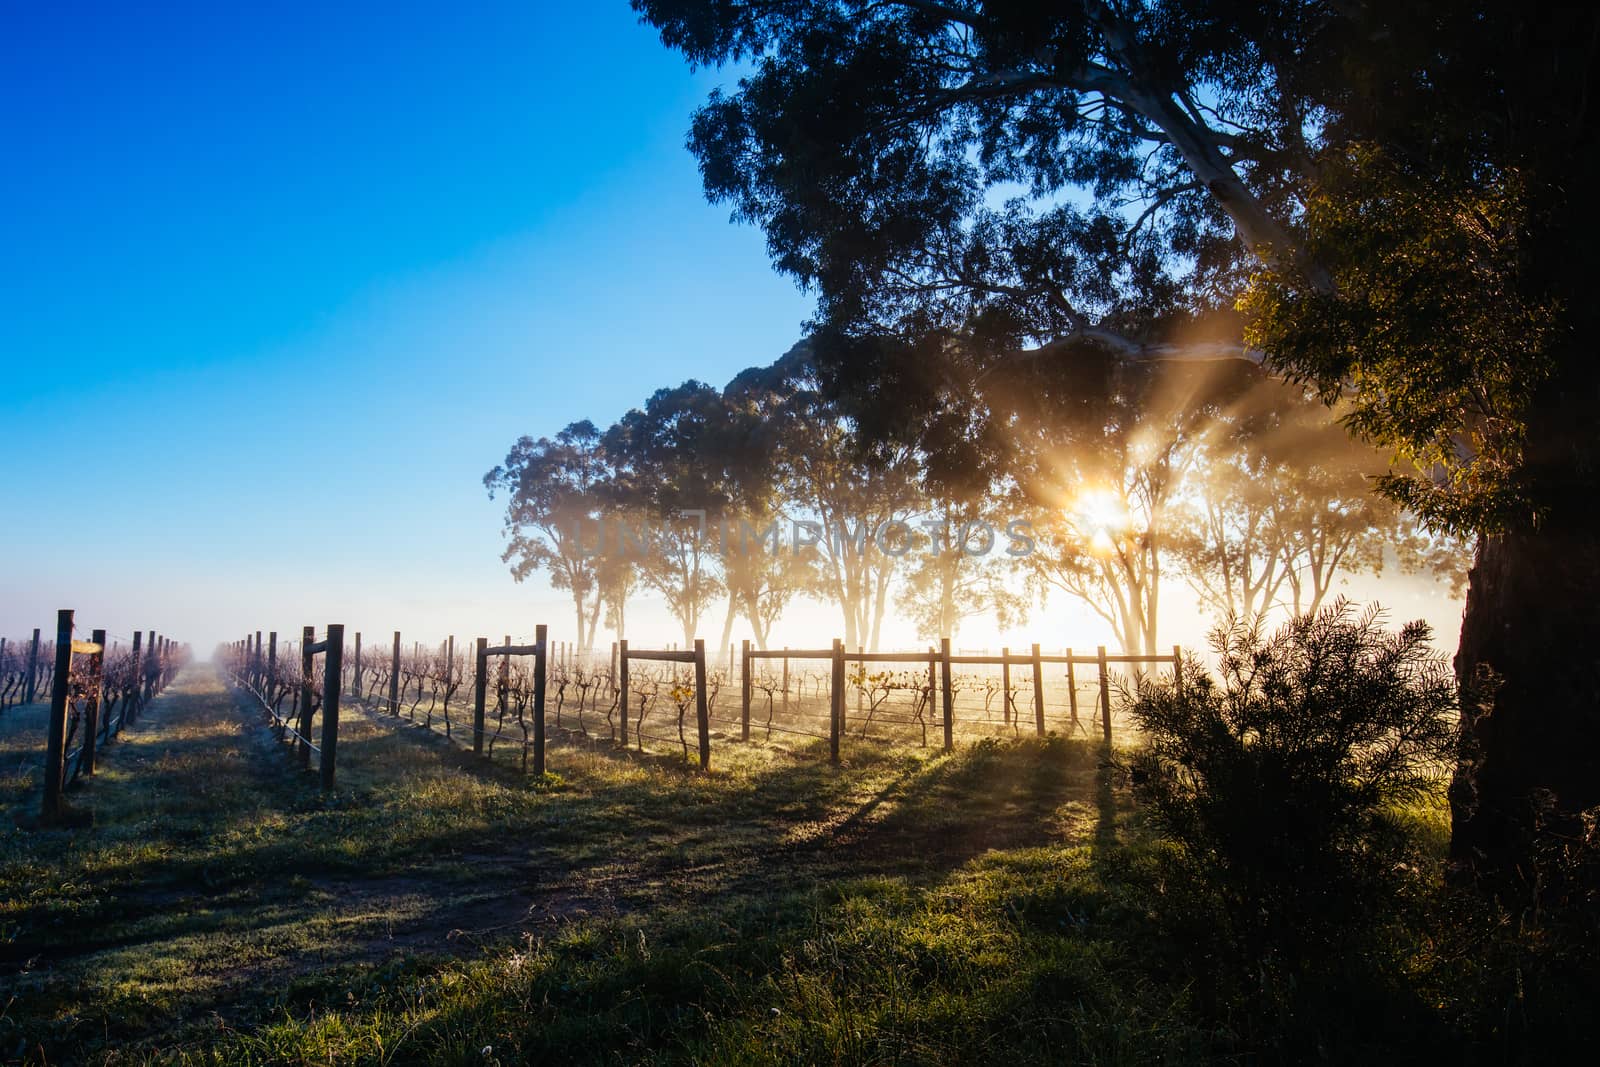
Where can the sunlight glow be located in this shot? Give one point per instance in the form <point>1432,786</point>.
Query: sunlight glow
<point>1102,511</point>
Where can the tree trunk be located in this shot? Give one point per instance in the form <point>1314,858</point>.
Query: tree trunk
<point>1527,663</point>
<point>727,623</point>
<point>594,622</point>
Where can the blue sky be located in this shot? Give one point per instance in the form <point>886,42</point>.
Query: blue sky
<point>278,285</point>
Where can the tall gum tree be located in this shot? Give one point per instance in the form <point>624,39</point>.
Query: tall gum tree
<point>554,505</point>
<point>1392,191</point>
<point>665,472</point>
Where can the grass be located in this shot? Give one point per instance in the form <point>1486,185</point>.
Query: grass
<point>1001,903</point>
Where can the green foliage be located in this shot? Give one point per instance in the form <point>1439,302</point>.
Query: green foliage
<point>1277,778</point>
<point>1426,329</point>
<point>1384,189</point>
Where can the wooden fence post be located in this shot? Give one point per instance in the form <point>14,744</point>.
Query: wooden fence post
<point>272,662</point>
<point>33,667</point>
<point>1005,684</point>
<point>1072,692</point>
<point>701,712</point>
<point>308,663</point>
<point>332,686</point>
<point>449,676</point>
<point>622,698</point>
<point>255,661</point>
<point>744,692</point>
<point>480,686</point>
<point>949,696</point>
<point>540,640</point>
<point>394,677</point>
<point>503,681</point>
<point>1105,695</point>
<point>1038,691</point>
<point>55,760</point>
<point>836,701</point>
<point>151,667</point>
<point>91,711</point>
<point>130,711</point>
<point>355,673</point>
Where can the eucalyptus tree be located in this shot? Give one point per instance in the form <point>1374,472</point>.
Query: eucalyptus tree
<point>667,472</point>
<point>555,492</point>
<point>617,564</point>
<point>762,573</point>
<point>851,497</point>
<point>970,548</point>
<point>1392,190</point>
<point>1280,507</point>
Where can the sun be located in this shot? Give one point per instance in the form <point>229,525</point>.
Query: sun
<point>1101,511</point>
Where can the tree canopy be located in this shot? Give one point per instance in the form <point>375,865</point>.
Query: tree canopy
<point>1122,175</point>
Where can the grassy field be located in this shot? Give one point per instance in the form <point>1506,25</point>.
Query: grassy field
<point>1001,903</point>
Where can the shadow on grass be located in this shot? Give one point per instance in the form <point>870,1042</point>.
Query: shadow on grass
<point>215,860</point>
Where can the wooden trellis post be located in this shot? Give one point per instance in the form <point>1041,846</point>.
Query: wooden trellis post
<point>1038,691</point>
<point>332,686</point>
<point>480,687</point>
<point>130,710</point>
<point>1072,691</point>
<point>394,677</point>
<point>308,637</point>
<point>744,692</point>
<point>355,675</point>
<point>1005,685</point>
<point>449,676</point>
<point>949,695</point>
<point>33,667</point>
<point>55,760</point>
<point>540,643</point>
<point>91,711</point>
<point>836,701</point>
<point>701,712</point>
<point>622,693</point>
<point>153,669</point>
<point>1105,695</point>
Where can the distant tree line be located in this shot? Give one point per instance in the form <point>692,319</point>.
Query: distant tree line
<point>1108,484</point>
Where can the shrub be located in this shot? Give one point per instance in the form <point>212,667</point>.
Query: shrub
<point>1277,778</point>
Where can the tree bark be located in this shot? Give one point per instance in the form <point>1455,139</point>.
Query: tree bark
<point>1530,672</point>
<point>1527,664</point>
<point>727,621</point>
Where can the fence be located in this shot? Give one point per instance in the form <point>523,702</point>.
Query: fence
<point>680,695</point>
<point>23,675</point>
<point>95,691</point>
<point>262,678</point>
<point>822,695</point>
